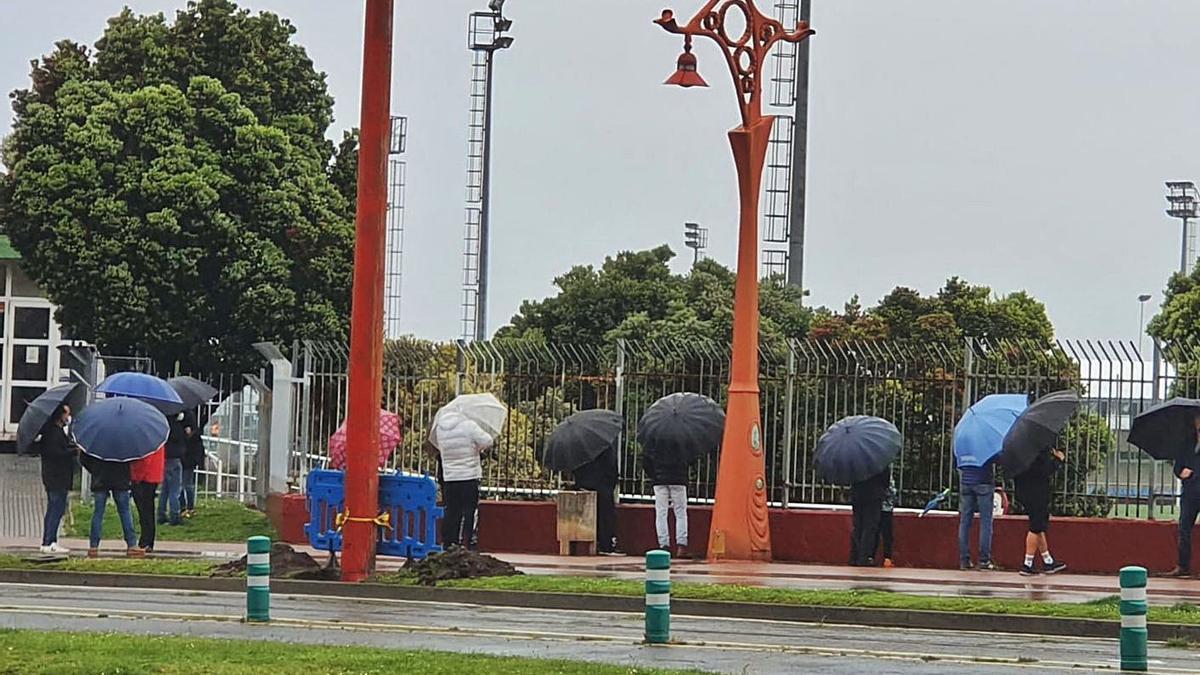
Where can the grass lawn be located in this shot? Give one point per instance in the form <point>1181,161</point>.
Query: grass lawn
<point>216,520</point>
<point>1106,608</point>
<point>176,567</point>
<point>87,653</point>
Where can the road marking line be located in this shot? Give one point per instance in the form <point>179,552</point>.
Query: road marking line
<point>1013,662</point>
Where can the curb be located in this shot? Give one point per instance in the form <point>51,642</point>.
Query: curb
<point>860,616</point>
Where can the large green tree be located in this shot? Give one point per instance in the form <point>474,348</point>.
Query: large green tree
<point>635,295</point>
<point>173,189</point>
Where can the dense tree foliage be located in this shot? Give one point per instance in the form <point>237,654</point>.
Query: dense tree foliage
<point>173,189</point>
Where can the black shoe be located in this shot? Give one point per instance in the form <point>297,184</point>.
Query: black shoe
<point>1054,567</point>
<point>1029,571</point>
<point>965,565</point>
<point>988,566</point>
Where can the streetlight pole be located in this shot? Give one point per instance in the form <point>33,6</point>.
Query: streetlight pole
<point>740,528</point>
<point>1142,300</point>
<point>365,387</point>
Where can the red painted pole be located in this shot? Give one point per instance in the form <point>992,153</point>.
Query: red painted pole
<point>366,315</point>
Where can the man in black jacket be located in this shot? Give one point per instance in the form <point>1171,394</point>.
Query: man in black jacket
<point>1034,493</point>
<point>668,473</point>
<point>176,448</point>
<point>1187,468</point>
<point>193,461</point>
<point>866,502</point>
<point>600,476</point>
<point>58,473</point>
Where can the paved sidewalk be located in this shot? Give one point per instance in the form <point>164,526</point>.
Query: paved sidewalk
<point>1057,588</point>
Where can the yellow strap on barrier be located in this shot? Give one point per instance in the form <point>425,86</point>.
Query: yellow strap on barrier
<point>383,520</point>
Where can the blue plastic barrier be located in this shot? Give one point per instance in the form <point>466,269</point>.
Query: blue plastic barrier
<point>409,501</point>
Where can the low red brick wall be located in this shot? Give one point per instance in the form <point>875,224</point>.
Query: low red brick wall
<point>1091,545</point>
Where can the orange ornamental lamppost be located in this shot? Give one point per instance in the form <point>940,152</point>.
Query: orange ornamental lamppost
<point>740,528</point>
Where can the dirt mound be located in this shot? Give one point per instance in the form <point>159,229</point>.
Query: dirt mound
<point>286,563</point>
<point>458,563</point>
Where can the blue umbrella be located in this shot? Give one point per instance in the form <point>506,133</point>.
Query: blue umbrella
<point>979,435</point>
<point>856,448</point>
<point>120,429</point>
<point>935,502</point>
<point>153,390</point>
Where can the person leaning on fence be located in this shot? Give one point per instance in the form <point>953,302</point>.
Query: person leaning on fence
<point>1033,489</point>
<point>1187,470</point>
<point>193,461</point>
<point>58,452</point>
<point>866,501</point>
<point>110,478</point>
<point>459,442</point>
<point>668,473</point>
<point>976,494</point>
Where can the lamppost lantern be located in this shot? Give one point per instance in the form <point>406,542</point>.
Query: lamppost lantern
<point>740,528</point>
<point>685,69</point>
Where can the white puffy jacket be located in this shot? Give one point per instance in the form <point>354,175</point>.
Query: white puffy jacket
<point>459,440</point>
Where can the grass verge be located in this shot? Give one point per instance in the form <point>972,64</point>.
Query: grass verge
<point>216,520</point>
<point>30,652</point>
<point>1106,608</point>
<point>176,567</point>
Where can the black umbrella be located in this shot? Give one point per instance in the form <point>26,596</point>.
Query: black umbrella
<point>1036,430</point>
<point>193,392</point>
<point>39,410</point>
<point>857,448</point>
<point>1167,430</point>
<point>684,423</point>
<point>581,438</point>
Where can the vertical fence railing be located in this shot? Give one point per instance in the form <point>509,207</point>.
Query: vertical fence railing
<point>806,385</point>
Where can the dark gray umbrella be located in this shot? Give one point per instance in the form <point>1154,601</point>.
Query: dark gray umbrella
<point>1036,430</point>
<point>193,392</point>
<point>857,448</point>
<point>39,410</point>
<point>1168,430</point>
<point>684,423</point>
<point>581,438</point>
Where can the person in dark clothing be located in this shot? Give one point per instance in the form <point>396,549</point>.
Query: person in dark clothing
<point>193,461</point>
<point>146,474</point>
<point>58,473</point>
<point>1187,466</point>
<point>887,529</point>
<point>866,501</point>
<point>600,476</point>
<point>111,478</point>
<point>668,473</point>
<point>176,448</point>
<point>1033,490</point>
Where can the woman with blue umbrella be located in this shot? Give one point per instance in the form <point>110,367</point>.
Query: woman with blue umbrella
<point>111,434</point>
<point>858,451</point>
<point>978,439</point>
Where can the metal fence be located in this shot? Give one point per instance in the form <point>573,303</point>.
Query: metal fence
<point>805,386</point>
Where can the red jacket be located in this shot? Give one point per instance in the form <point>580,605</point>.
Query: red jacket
<point>149,469</point>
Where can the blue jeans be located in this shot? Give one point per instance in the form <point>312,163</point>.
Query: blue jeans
<point>172,483</point>
<point>121,499</point>
<point>972,499</point>
<point>189,488</point>
<point>56,508</point>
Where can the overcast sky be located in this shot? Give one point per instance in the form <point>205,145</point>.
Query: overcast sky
<point>1020,144</point>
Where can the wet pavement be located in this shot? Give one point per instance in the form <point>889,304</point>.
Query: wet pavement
<point>717,645</point>
<point>22,499</point>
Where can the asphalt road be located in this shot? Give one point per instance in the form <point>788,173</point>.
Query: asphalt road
<point>718,645</point>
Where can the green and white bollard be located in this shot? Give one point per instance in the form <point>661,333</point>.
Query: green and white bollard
<point>658,597</point>
<point>1133,618</point>
<point>258,579</point>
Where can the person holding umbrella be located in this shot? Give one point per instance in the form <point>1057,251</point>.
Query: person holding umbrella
<point>1029,455</point>
<point>176,448</point>
<point>583,444</point>
<point>462,431</point>
<point>676,431</point>
<point>193,393</point>
<point>1170,431</point>
<point>858,451</point>
<point>978,440</point>
<point>58,473</point>
<point>111,434</point>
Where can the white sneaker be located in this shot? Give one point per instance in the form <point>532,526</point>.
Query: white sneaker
<point>55,549</point>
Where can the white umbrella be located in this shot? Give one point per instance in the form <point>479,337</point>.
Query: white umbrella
<point>483,409</point>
